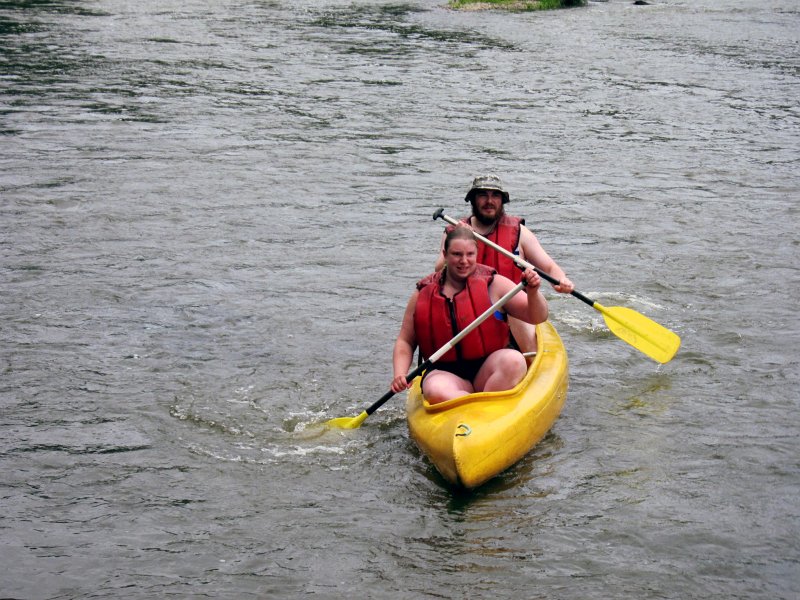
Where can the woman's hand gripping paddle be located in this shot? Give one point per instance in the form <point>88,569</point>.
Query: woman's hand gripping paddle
<point>354,422</point>
<point>647,336</point>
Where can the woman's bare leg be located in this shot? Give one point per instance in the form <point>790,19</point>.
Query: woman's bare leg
<point>502,371</point>
<point>440,386</point>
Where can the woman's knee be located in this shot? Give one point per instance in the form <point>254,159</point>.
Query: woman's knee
<point>501,371</point>
<point>440,386</point>
<point>512,363</point>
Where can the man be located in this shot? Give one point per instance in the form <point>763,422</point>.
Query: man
<point>444,303</point>
<point>488,198</point>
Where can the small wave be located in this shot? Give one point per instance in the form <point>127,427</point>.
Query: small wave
<point>269,454</point>
<point>186,414</point>
<point>278,452</point>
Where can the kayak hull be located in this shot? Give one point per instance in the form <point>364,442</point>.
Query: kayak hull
<point>475,437</point>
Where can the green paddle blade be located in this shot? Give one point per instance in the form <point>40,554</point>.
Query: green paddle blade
<point>647,336</point>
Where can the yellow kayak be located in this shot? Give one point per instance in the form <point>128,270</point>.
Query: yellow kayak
<point>473,438</point>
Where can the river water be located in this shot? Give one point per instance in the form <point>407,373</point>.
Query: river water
<point>213,213</point>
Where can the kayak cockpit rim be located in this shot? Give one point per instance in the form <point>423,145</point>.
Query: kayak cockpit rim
<point>533,364</point>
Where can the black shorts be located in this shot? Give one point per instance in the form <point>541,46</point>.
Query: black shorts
<point>466,369</point>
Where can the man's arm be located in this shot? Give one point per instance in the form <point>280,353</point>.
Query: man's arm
<point>533,252</point>
<point>440,257</point>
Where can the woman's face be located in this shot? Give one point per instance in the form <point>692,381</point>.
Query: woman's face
<point>461,258</point>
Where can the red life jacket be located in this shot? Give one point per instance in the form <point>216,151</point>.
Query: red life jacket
<point>506,235</point>
<point>437,319</point>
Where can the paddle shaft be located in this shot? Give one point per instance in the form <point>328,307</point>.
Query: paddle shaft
<point>521,263</point>
<point>446,348</point>
<point>644,334</point>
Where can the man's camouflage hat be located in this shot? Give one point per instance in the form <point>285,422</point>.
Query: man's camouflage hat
<point>486,182</point>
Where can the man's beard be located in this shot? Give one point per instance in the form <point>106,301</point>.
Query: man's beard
<point>486,220</point>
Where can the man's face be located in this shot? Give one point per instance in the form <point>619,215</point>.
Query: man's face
<point>487,206</point>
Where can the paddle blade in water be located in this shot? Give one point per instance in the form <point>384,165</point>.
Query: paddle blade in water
<point>654,340</point>
<point>347,422</point>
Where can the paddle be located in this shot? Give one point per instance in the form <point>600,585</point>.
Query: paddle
<point>647,336</point>
<point>354,422</point>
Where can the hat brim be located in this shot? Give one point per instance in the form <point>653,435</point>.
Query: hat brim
<point>471,194</point>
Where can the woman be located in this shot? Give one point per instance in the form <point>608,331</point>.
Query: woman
<point>444,304</point>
